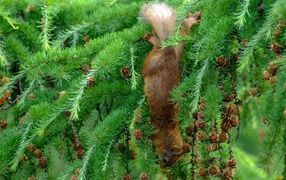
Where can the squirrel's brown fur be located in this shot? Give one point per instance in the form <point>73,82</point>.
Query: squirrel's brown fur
<point>161,73</point>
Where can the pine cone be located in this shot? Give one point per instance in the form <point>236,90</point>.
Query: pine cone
<point>4,124</point>
<point>231,163</point>
<point>127,177</point>
<point>234,120</point>
<point>201,115</point>
<point>275,47</point>
<point>74,177</point>
<point>227,174</point>
<point>211,147</point>
<point>121,147</point>
<point>229,98</point>
<point>2,100</point>
<point>284,113</point>
<point>144,176</point>
<point>77,145</point>
<point>214,170</point>
<point>85,68</point>
<point>31,178</point>
<point>200,124</point>
<point>235,57</point>
<point>202,172</point>
<point>91,81</point>
<point>255,92</point>
<point>272,68</point>
<point>232,109</point>
<point>223,137</point>
<point>7,94</point>
<point>68,114</point>
<point>272,79</point>
<point>85,39</point>
<point>31,147</point>
<point>266,75</point>
<point>221,61</point>
<point>190,131</point>
<point>5,80</point>
<point>77,171</point>
<point>62,93</point>
<point>24,157</point>
<point>277,33</point>
<point>214,137</point>
<point>244,42</point>
<point>138,134</point>
<point>43,162</point>
<point>199,160</point>
<point>31,96</point>
<point>201,136</point>
<point>38,153</point>
<point>126,72</point>
<point>133,154</point>
<point>225,127</point>
<point>80,153</point>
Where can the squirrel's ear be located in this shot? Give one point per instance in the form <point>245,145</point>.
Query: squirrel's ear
<point>176,150</point>
<point>186,148</point>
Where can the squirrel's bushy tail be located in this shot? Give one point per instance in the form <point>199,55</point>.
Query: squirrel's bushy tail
<point>162,17</point>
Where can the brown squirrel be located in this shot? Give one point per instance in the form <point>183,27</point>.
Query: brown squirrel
<point>161,73</point>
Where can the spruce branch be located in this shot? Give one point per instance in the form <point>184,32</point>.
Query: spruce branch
<point>25,93</point>
<point>241,16</point>
<point>3,59</point>
<point>72,33</point>
<point>24,142</point>
<point>75,101</point>
<point>134,74</point>
<point>277,11</point>
<point>197,87</point>
<point>47,28</point>
<point>5,15</point>
<point>82,172</point>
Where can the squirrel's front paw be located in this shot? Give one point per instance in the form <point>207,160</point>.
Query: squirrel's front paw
<point>192,19</point>
<point>152,38</point>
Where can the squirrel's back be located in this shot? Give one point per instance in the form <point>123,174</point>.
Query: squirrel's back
<point>161,17</point>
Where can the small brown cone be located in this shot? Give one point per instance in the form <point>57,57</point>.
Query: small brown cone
<point>234,120</point>
<point>86,68</point>
<point>138,134</point>
<point>275,47</point>
<point>31,96</point>
<point>38,153</point>
<point>202,172</point>
<point>214,137</point>
<point>229,97</point>
<point>80,153</point>
<point>127,177</point>
<point>77,145</point>
<point>231,163</point>
<point>5,80</point>
<point>4,124</point>
<point>43,162</point>
<point>126,72</point>
<point>272,79</point>
<point>227,174</point>
<point>214,170</point>
<point>266,75</point>
<point>144,176</point>
<point>223,137</point>
<point>221,61</point>
<point>201,136</point>
<point>31,147</point>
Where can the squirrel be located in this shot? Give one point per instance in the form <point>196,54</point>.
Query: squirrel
<point>162,72</point>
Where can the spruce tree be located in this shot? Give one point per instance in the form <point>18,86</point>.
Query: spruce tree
<point>72,102</point>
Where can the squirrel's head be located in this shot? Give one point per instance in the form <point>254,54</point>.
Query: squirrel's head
<point>169,145</point>
<point>170,156</point>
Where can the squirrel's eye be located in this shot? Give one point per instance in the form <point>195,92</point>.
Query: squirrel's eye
<point>165,160</point>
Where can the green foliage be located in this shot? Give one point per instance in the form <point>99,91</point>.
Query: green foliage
<point>64,61</point>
